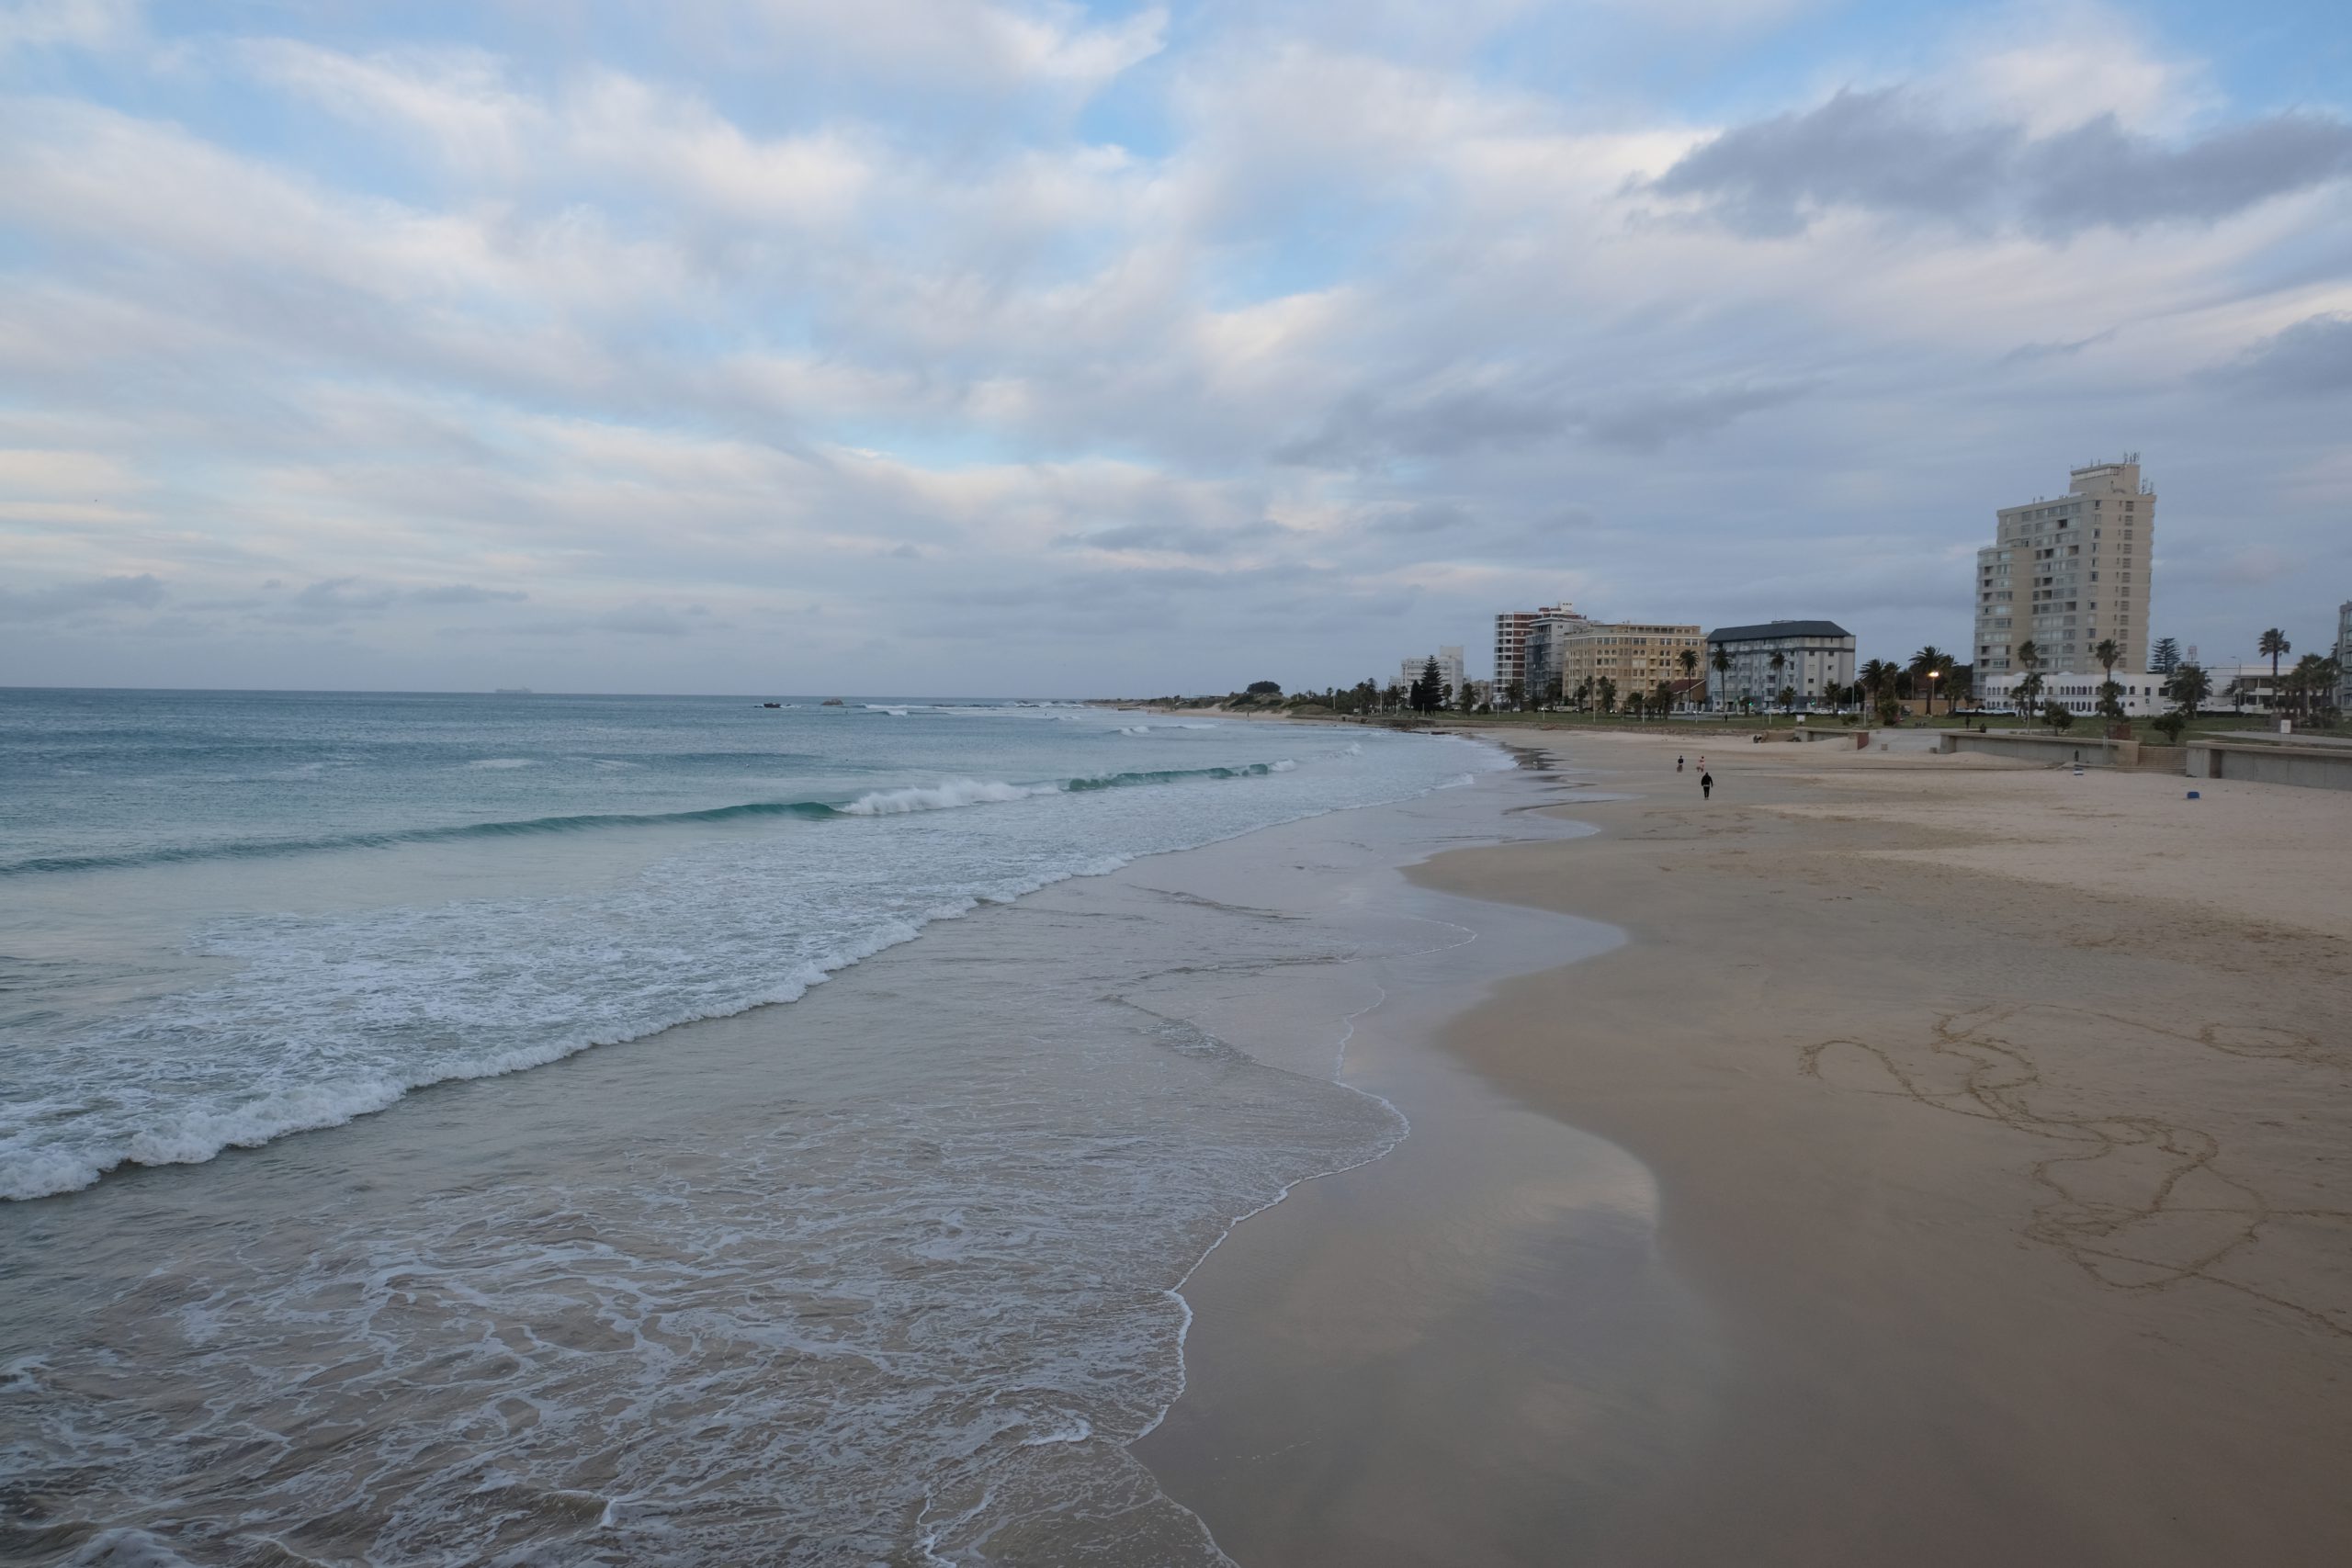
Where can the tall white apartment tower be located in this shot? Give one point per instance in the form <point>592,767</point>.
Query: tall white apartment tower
<point>2069,573</point>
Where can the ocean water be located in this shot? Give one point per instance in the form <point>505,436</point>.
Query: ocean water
<point>407,1169</point>
<point>231,916</point>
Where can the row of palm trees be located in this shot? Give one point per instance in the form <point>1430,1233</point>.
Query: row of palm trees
<point>2312,685</point>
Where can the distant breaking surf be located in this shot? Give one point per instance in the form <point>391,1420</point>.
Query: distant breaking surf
<point>947,796</point>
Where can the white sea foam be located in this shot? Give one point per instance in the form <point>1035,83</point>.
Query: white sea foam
<point>945,796</point>
<point>503,762</point>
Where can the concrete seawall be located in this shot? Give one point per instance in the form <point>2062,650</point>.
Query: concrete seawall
<point>2305,768</point>
<point>2046,751</point>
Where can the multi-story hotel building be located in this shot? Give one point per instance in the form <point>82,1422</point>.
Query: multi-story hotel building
<point>1637,655</point>
<point>2068,573</point>
<point>1814,656</point>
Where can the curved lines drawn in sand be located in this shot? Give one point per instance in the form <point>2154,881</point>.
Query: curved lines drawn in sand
<point>2137,1200</point>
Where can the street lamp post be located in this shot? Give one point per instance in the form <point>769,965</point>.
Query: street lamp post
<point>1933,676</point>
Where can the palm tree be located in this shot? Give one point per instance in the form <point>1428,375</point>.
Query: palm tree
<point>2313,677</point>
<point>1721,660</point>
<point>2109,654</point>
<point>1928,664</point>
<point>2273,645</point>
<point>1873,677</point>
<point>1607,694</point>
<point>2030,693</point>
<point>2029,658</point>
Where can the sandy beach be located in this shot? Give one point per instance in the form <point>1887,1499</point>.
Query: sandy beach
<point>1998,1124</point>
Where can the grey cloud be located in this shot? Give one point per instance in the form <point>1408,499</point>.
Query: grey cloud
<point>1443,423</point>
<point>2312,358</point>
<point>465,594</point>
<point>2027,353</point>
<point>642,619</point>
<point>1361,433</point>
<point>142,592</point>
<point>1888,152</point>
<point>334,598</point>
<point>1423,517</point>
<point>1645,423</point>
<point>2101,174</point>
<point>1175,539</point>
<point>645,620</point>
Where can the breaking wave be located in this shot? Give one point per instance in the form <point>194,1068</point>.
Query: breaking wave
<point>946,795</point>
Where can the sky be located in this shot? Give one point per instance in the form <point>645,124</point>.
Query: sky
<point>1001,347</point>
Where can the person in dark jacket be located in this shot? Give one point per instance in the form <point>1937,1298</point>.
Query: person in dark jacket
<point>1706,786</point>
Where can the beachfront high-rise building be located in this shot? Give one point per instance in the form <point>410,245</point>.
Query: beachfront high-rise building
<point>1814,656</point>
<point>1448,671</point>
<point>2069,573</point>
<point>1512,629</point>
<point>1547,637</point>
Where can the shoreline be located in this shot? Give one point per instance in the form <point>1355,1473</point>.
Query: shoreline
<point>2037,1235</point>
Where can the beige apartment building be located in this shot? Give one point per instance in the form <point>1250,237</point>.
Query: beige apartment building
<point>2069,573</point>
<point>1637,655</point>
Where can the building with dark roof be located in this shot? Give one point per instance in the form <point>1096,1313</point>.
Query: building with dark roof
<point>1814,656</point>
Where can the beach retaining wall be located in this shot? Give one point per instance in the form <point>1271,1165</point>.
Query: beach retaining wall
<point>2049,751</point>
<point>2310,769</point>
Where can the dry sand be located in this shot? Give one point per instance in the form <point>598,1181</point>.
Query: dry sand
<point>2001,1122</point>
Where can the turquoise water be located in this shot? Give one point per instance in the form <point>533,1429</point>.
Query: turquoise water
<point>229,916</point>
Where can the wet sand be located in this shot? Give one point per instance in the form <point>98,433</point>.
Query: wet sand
<point>1997,1126</point>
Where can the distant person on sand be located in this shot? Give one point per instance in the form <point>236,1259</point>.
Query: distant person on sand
<point>1678,764</point>
<point>1706,786</point>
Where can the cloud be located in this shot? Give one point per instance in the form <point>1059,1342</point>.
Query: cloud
<point>1643,423</point>
<point>1450,421</point>
<point>643,619</point>
<point>2312,358</point>
<point>2028,353</point>
<point>335,599</point>
<point>70,24</point>
<point>465,594</point>
<point>97,595</point>
<point>1890,152</point>
<point>1280,335</point>
<point>1176,538</point>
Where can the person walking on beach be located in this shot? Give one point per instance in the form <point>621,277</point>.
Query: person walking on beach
<point>1706,786</point>
<point>1678,764</point>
